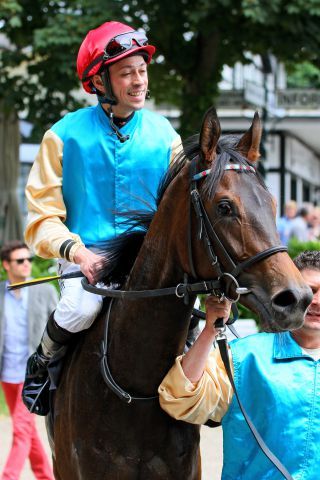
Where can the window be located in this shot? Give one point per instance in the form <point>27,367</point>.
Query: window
<point>293,189</point>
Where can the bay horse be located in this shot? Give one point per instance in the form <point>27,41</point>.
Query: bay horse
<point>97,436</point>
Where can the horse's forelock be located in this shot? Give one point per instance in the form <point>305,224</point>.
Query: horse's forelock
<point>226,152</point>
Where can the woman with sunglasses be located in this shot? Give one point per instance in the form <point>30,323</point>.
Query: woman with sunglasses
<point>93,165</point>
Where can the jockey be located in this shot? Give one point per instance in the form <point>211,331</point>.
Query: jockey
<point>93,165</point>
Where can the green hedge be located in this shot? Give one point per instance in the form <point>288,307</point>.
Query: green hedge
<point>3,406</point>
<point>295,247</point>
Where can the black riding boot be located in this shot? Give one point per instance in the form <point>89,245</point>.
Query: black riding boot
<point>35,392</point>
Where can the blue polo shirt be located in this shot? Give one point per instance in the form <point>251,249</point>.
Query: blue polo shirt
<point>279,385</point>
<point>16,334</point>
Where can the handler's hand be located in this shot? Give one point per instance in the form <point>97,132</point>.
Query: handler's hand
<point>89,262</point>
<point>216,309</point>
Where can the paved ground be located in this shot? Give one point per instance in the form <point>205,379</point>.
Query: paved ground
<point>210,446</point>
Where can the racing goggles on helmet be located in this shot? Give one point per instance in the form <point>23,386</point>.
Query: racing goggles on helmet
<point>123,42</point>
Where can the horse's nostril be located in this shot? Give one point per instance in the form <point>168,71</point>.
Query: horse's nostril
<point>286,298</point>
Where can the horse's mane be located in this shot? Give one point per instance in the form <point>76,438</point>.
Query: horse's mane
<point>120,253</point>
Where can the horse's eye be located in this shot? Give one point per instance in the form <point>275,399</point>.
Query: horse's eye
<point>224,209</point>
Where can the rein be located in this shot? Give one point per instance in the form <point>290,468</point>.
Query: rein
<point>105,370</point>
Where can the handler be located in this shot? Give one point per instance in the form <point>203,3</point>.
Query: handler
<point>93,165</point>
<point>277,376</point>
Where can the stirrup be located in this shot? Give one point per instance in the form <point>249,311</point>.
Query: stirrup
<point>39,406</point>
<point>35,391</point>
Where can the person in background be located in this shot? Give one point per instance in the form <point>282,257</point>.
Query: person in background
<point>284,222</point>
<point>23,315</point>
<point>314,224</point>
<point>94,165</point>
<point>300,226</point>
<point>277,376</point>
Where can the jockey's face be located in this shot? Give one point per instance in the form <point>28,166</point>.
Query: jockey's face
<point>129,82</point>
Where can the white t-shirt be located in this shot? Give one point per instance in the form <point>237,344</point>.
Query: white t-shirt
<point>313,352</point>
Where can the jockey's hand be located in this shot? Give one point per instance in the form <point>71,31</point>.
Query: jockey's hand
<point>216,309</point>
<point>90,263</point>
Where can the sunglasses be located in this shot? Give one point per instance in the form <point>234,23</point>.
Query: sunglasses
<point>20,261</point>
<point>123,42</point>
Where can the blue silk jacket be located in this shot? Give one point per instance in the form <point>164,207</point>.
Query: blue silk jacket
<point>102,177</point>
<point>279,386</point>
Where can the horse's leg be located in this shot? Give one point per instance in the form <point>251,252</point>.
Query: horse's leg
<point>199,468</point>
<point>55,470</point>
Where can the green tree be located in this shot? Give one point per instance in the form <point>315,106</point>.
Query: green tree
<point>194,39</point>
<point>303,75</point>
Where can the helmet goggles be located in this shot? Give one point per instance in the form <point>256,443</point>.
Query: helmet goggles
<point>122,43</point>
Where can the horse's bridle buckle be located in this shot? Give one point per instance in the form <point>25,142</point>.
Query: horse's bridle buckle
<point>180,295</point>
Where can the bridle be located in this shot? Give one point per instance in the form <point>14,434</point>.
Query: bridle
<point>207,233</point>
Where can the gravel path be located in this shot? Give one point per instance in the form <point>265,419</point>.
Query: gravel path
<point>211,448</point>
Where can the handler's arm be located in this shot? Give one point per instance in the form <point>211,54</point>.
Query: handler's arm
<point>197,387</point>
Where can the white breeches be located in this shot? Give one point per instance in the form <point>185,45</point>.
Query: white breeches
<point>77,308</point>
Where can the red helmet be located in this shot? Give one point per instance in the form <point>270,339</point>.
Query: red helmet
<point>107,44</point>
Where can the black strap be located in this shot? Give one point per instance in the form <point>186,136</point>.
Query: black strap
<point>180,290</point>
<point>106,373</point>
<point>257,258</point>
<point>273,459</point>
<point>190,254</point>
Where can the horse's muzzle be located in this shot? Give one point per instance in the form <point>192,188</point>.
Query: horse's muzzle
<point>289,307</point>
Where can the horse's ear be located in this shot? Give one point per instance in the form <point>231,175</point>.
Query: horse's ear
<point>209,135</point>
<point>249,143</point>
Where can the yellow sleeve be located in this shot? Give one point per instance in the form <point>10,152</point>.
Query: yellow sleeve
<point>176,148</point>
<point>45,231</point>
<point>196,403</point>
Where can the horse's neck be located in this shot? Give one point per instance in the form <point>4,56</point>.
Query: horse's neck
<point>148,333</point>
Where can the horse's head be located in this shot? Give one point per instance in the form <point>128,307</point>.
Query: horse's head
<point>236,213</point>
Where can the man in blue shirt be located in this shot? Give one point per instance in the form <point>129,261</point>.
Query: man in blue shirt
<point>277,376</point>
<point>23,314</point>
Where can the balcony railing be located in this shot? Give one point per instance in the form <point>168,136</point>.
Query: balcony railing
<point>293,98</point>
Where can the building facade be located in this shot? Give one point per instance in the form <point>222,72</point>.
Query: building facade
<point>291,139</point>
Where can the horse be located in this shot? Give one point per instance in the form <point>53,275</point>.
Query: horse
<point>213,231</point>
